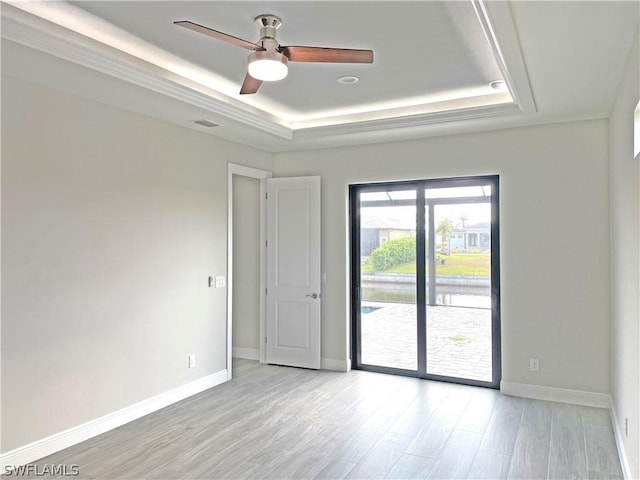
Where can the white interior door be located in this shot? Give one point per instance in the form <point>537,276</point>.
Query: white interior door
<point>293,271</point>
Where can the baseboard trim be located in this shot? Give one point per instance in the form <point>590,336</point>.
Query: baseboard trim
<point>335,365</point>
<point>246,353</point>
<point>67,438</point>
<point>554,394</point>
<point>622,454</point>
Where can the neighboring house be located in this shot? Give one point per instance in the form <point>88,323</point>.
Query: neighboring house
<point>377,229</point>
<point>470,238</point>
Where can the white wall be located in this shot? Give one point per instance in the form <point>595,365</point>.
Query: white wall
<point>246,262</point>
<point>111,224</point>
<point>625,260</point>
<point>554,236</point>
<point>112,221</point>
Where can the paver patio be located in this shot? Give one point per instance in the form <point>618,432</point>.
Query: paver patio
<point>458,339</point>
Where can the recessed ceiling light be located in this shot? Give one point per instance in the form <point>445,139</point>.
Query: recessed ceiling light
<point>498,85</point>
<point>348,80</point>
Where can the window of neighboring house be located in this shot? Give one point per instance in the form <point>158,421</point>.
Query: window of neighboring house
<point>473,239</point>
<point>383,240</point>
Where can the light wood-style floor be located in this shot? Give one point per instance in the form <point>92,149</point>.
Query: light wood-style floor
<point>277,422</point>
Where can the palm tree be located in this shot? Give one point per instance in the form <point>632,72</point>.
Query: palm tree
<point>463,220</point>
<point>445,227</point>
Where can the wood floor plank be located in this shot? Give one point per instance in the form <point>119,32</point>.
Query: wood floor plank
<point>596,416</point>
<point>457,456</point>
<point>530,457</point>
<point>399,401</point>
<point>354,448</point>
<point>477,415</point>
<point>382,457</point>
<point>430,440</point>
<point>245,470</point>
<point>417,414</point>
<point>593,475</point>
<point>456,401</point>
<point>80,454</point>
<point>134,451</point>
<point>502,431</point>
<point>567,456</point>
<point>268,450</point>
<point>334,470</point>
<point>602,454</point>
<point>490,466</point>
<point>305,461</point>
<point>410,467</point>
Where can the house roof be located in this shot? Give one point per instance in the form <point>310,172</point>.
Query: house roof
<point>388,218</point>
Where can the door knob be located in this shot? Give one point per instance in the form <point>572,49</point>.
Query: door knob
<point>312,295</point>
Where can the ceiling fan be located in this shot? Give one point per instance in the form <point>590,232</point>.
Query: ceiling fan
<point>268,61</point>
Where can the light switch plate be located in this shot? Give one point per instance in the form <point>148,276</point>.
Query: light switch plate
<point>220,282</point>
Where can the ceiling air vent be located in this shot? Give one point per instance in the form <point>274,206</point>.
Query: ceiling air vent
<point>206,123</point>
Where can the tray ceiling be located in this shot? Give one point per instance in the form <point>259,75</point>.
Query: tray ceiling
<point>433,62</point>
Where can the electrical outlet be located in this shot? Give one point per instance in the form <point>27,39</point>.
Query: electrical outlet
<point>192,361</point>
<point>534,365</point>
<point>220,282</point>
<point>626,427</point>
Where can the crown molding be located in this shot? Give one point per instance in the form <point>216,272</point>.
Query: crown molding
<point>406,121</point>
<point>40,34</point>
<point>496,21</point>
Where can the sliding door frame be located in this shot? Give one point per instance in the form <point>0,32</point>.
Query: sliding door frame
<point>422,207</point>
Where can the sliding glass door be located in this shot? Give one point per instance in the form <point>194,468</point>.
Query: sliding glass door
<point>425,279</point>
<point>388,279</point>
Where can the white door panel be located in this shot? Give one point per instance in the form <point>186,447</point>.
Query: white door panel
<point>293,271</point>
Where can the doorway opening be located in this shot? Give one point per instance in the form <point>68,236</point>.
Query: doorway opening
<point>425,279</point>
<point>246,233</point>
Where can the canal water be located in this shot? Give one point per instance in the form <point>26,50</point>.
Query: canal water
<point>454,295</point>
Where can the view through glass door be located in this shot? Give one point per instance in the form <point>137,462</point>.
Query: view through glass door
<point>425,279</point>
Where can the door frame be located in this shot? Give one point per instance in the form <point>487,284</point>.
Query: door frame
<point>261,175</point>
<point>354,228</point>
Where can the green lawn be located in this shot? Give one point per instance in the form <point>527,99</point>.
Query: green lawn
<point>456,264</point>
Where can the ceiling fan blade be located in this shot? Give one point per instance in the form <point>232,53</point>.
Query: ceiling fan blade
<point>331,55</point>
<point>250,85</point>
<point>219,35</point>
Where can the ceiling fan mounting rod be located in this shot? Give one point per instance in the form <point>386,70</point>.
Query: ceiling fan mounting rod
<point>268,24</point>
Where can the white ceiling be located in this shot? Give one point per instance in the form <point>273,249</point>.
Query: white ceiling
<point>433,63</point>
<point>452,39</point>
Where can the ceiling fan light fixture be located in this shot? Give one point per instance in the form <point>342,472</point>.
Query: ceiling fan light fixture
<point>268,66</point>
